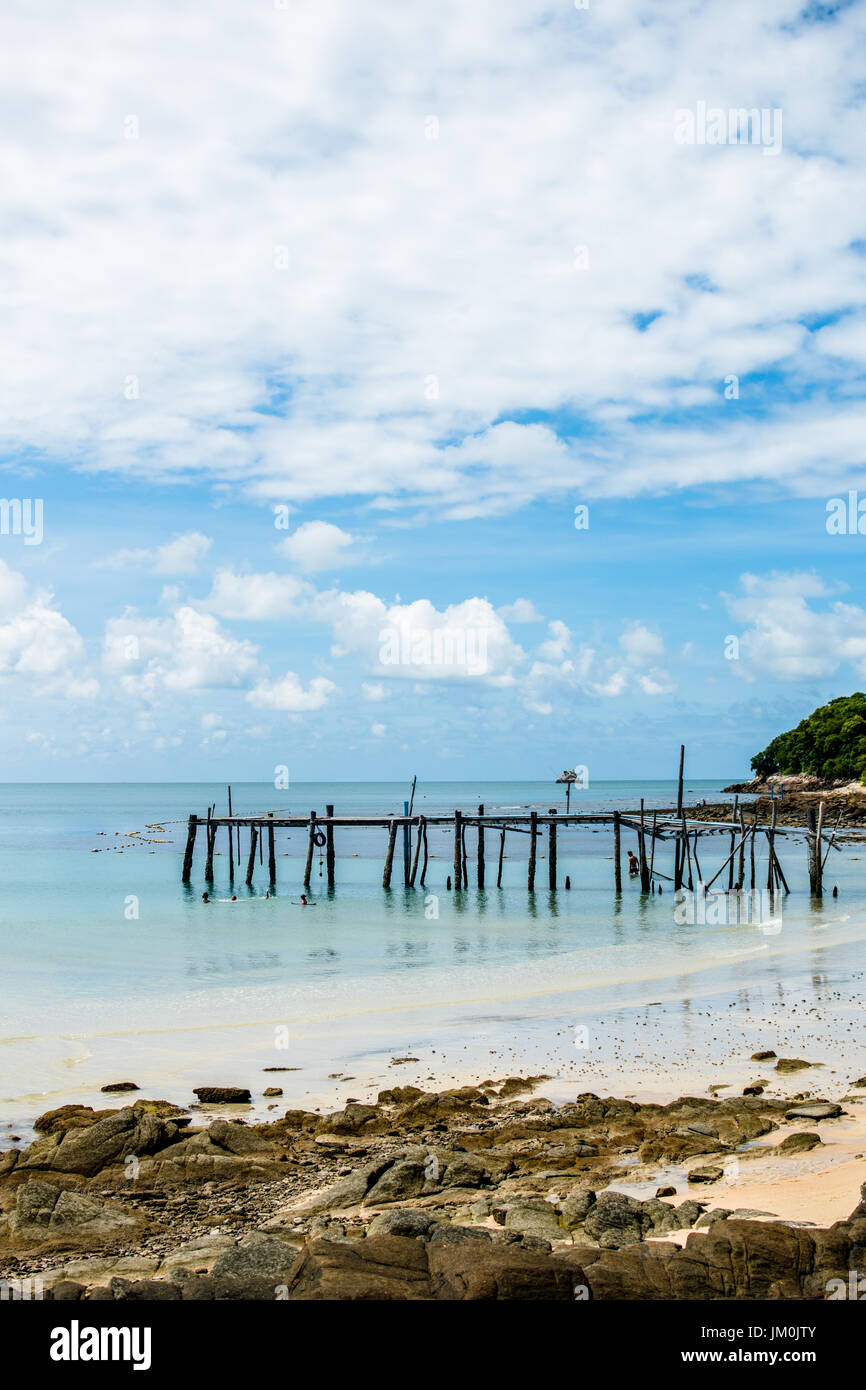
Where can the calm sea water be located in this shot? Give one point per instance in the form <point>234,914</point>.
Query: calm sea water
<point>110,966</point>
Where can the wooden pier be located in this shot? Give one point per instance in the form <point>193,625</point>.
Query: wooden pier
<point>672,826</point>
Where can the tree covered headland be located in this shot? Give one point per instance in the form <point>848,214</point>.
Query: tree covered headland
<point>831,743</point>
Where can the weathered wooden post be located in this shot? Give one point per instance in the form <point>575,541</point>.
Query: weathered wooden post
<point>406,846</point>
<point>329,845</point>
<point>231,843</point>
<point>501,857</point>
<point>551,851</point>
<point>680,781</point>
<point>311,844</point>
<point>644,867</point>
<point>741,858</point>
<point>458,856</point>
<point>733,843</point>
<point>617,866</point>
<point>533,832</point>
<point>772,877</point>
<point>389,854</point>
<point>208,863</point>
<point>811,839</point>
<point>423,826</point>
<point>192,825</point>
<point>414,868</point>
<point>480,848</point>
<point>819,858</point>
<point>272,857</point>
<point>254,836</point>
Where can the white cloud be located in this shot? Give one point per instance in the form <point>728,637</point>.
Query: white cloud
<point>558,644</point>
<point>186,652</point>
<point>317,545</point>
<point>178,556</point>
<point>289,694</point>
<point>374,691</point>
<point>233,313</point>
<point>466,641</point>
<point>37,643</point>
<point>522,610</point>
<point>789,640</point>
<point>378,730</point>
<point>257,597</point>
<point>641,645</point>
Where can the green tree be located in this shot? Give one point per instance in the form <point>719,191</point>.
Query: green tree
<point>831,743</point>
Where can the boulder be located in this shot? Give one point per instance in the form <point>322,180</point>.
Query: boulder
<point>814,1110</point>
<point>222,1095</point>
<point>789,1064</point>
<point>257,1266</point>
<point>709,1173</point>
<point>44,1212</point>
<point>87,1150</point>
<point>798,1143</point>
<point>403,1221</point>
<point>616,1220</point>
<point>763,1056</point>
<point>120,1086</point>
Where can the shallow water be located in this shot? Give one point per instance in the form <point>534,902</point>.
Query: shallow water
<point>111,970</point>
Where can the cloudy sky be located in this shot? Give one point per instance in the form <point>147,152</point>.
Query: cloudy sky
<point>449,389</point>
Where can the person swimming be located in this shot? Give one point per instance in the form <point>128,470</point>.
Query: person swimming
<point>205,898</point>
<point>304,902</point>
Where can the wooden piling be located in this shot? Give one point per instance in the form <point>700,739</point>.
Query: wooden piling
<point>272,856</point>
<point>501,857</point>
<point>423,827</point>
<point>413,871</point>
<point>617,865</point>
<point>772,877</point>
<point>551,851</point>
<point>819,859</point>
<point>644,866</point>
<point>458,849</point>
<point>680,780</point>
<point>231,844</point>
<point>329,847</point>
<point>192,827</point>
<point>533,833</point>
<point>741,858</point>
<point>254,835</point>
<point>389,854</point>
<point>208,863</point>
<point>480,849</point>
<point>811,843</point>
<point>733,842</point>
<point>311,845</point>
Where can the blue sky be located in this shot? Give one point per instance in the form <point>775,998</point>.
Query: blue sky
<point>319,325</point>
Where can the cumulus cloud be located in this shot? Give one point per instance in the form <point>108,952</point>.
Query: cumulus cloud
<point>186,652</point>
<point>522,610</point>
<point>289,694</point>
<point>317,545</point>
<point>257,597</point>
<point>178,556</point>
<point>465,641</point>
<point>37,643</point>
<point>789,639</point>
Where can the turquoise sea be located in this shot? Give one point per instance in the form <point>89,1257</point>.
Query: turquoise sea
<point>111,970</point>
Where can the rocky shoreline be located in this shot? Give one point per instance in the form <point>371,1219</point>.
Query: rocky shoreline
<point>486,1191</point>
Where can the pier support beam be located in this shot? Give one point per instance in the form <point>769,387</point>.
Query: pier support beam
<point>480,849</point>
<point>389,854</point>
<point>533,835</point>
<point>254,836</point>
<point>501,857</point>
<point>311,844</point>
<point>192,825</point>
<point>329,847</point>
<point>617,863</point>
<point>208,863</point>
<point>231,844</point>
<point>551,852</point>
<point>272,858</point>
<point>458,852</point>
